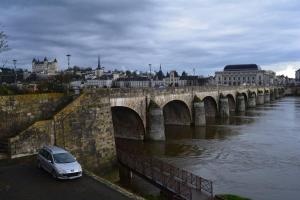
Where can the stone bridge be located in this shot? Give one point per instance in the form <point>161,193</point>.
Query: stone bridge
<point>143,113</point>
<point>88,126</point>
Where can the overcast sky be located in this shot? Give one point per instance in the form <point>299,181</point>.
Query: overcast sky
<point>179,34</point>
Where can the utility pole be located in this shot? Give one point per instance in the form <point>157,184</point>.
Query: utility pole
<point>150,67</point>
<point>15,70</point>
<point>68,56</point>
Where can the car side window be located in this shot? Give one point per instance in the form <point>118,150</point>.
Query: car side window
<point>49,157</point>
<point>46,155</point>
<point>43,153</point>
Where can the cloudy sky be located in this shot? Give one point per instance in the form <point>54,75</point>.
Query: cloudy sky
<point>179,34</point>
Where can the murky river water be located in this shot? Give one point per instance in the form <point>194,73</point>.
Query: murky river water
<point>256,155</point>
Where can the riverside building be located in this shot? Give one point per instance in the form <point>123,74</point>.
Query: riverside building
<point>244,74</point>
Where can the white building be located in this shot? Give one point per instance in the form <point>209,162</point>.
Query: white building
<point>45,67</point>
<point>99,83</point>
<point>132,82</point>
<point>172,79</point>
<point>94,83</point>
<point>246,74</point>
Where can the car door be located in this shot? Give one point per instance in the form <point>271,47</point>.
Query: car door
<point>47,164</point>
<point>50,162</point>
<point>43,158</point>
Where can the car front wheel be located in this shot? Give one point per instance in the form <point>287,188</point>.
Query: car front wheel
<point>39,164</point>
<point>54,174</point>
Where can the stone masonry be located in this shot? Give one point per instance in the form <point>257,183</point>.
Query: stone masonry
<point>19,111</point>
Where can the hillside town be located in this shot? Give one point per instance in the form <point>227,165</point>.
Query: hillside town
<point>46,75</point>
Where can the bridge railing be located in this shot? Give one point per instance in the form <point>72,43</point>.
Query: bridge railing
<point>116,92</point>
<point>169,177</point>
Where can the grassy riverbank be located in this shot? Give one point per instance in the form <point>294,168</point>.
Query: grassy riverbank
<point>231,197</point>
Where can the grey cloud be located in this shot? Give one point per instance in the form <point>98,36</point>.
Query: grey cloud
<point>133,33</point>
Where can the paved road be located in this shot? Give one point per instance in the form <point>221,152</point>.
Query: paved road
<point>21,180</point>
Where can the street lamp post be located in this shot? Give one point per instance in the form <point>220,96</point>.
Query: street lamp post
<point>15,70</point>
<point>150,68</point>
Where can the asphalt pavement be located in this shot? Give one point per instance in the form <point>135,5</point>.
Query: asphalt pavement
<point>22,180</point>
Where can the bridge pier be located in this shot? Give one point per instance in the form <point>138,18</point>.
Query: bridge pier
<point>199,114</point>
<point>260,98</point>
<point>224,107</point>
<point>267,97</point>
<point>252,100</point>
<point>156,127</point>
<point>281,93</point>
<point>276,94</point>
<point>272,96</point>
<point>240,103</point>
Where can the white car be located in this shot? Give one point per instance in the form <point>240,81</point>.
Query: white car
<point>59,162</point>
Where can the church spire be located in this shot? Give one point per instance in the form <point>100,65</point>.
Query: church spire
<point>99,65</point>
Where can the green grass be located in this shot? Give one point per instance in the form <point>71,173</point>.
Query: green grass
<point>154,197</point>
<point>232,197</point>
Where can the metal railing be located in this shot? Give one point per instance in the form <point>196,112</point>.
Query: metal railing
<point>171,178</point>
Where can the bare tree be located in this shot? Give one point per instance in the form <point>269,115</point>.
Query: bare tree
<point>3,42</point>
<point>4,62</point>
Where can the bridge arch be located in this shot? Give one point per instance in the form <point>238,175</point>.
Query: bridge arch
<point>176,112</point>
<point>231,102</point>
<point>211,107</point>
<point>127,123</point>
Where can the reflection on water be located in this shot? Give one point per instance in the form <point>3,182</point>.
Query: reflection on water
<point>255,154</point>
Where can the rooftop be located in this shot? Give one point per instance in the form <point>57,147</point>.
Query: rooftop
<point>241,67</point>
<point>139,78</point>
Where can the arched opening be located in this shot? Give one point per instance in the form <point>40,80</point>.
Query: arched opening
<point>246,99</point>
<point>127,123</point>
<point>231,103</point>
<point>176,113</point>
<point>210,107</point>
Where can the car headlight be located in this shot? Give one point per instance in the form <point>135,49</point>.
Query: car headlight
<point>61,171</point>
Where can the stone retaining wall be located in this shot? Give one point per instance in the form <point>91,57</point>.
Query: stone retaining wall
<point>86,129</point>
<point>18,112</point>
<point>32,139</point>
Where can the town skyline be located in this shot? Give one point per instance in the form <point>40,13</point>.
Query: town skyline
<point>144,69</point>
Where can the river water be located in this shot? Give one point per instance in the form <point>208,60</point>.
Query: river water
<point>256,154</point>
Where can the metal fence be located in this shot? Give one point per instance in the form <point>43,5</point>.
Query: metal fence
<point>169,177</point>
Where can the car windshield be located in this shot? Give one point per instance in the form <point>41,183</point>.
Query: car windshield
<point>63,158</point>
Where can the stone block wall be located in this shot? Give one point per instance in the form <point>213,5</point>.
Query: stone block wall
<point>32,139</point>
<point>86,129</point>
<point>18,112</point>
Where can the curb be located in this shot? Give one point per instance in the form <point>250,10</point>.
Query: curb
<point>113,186</point>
